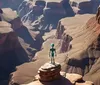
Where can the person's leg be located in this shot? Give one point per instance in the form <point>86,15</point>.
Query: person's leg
<point>53,60</point>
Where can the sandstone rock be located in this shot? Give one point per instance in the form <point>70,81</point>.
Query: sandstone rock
<point>6,27</point>
<point>49,72</point>
<point>60,31</point>
<point>83,34</point>
<point>73,78</point>
<point>97,46</point>
<point>85,83</point>
<point>11,52</point>
<point>8,14</point>
<point>63,74</point>
<point>98,15</point>
<point>83,39</point>
<point>65,46</point>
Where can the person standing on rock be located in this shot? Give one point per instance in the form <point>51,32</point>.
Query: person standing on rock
<point>52,53</point>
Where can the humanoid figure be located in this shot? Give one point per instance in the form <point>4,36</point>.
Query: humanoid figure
<point>52,53</point>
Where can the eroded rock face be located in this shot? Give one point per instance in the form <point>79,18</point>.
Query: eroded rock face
<point>27,38</point>
<point>11,52</point>
<point>85,6</point>
<point>83,56</point>
<point>60,31</point>
<point>98,15</point>
<point>52,12</point>
<point>65,43</point>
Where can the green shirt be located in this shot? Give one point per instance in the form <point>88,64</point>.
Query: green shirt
<point>52,52</point>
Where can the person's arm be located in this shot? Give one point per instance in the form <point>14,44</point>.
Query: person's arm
<point>55,53</point>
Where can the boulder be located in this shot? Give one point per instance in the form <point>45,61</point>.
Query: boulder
<point>49,72</point>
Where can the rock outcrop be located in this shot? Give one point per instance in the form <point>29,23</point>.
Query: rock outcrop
<point>49,72</point>
<point>98,15</point>
<point>52,12</point>
<point>51,75</point>
<point>27,38</point>
<point>8,14</point>
<point>82,58</point>
<point>85,6</point>
<point>60,30</point>
<point>11,52</point>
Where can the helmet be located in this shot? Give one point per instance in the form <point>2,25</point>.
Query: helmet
<point>52,44</point>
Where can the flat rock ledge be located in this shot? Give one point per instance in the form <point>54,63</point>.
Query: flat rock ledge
<point>49,72</point>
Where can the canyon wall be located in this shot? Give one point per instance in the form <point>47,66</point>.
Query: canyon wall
<point>11,52</point>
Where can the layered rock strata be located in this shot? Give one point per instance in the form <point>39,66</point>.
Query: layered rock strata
<point>49,72</point>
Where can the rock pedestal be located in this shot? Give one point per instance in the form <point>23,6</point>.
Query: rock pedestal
<point>49,72</point>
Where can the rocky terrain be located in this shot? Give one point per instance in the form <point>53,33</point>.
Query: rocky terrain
<point>11,52</point>
<point>79,58</point>
<point>17,43</point>
<point>31,29</point>
<point>27,38</point>
<point>44,13</point>
<point>50,74</point>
